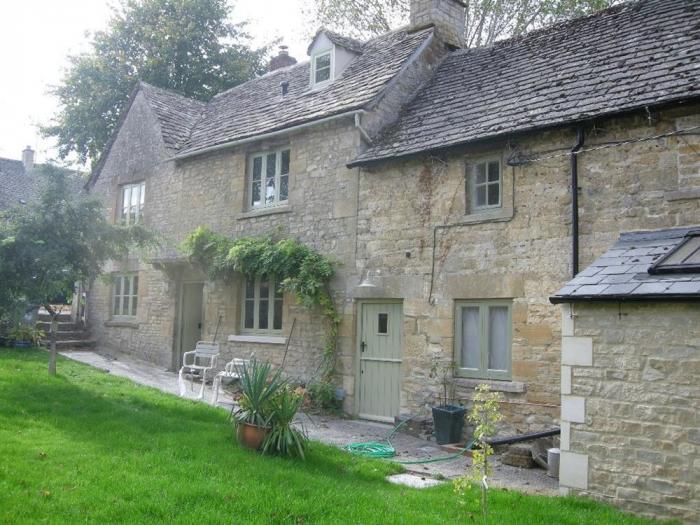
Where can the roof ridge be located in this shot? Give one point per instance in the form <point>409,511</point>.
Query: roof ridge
<point>557,26</point>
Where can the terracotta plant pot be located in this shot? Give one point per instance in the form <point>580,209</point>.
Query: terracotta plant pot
<point>250,436</point>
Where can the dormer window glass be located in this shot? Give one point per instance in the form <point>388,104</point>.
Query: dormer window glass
<point>322,67</point>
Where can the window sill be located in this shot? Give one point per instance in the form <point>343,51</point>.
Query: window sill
<point>514,387</point>
<point>488,215</point>
<point>260,339</point>
<point>261,212</point>
<point>122,324</point>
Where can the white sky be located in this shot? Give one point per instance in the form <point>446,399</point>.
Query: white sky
<point>37,35</point>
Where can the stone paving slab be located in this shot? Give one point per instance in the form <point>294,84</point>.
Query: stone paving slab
<point>335,431</point>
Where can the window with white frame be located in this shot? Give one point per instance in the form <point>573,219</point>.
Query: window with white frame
<point>132,198</point>
<point>483,339</point>
<point>125,292</point>
<point>485,187</point>
<point>322,68</point>
<point>269,179</point>
<point>262,305</point>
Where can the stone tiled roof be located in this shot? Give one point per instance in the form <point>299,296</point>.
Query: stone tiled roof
<point>622,273</point>
<point>258,106</point>
<point>626,57</point>
<point>176,114</point>
<point>16,185</point>
<point>339,40</point>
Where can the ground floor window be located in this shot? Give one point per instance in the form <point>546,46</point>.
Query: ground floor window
<point>125,293</point>
<point>262,305</point>
<point>483,339</point>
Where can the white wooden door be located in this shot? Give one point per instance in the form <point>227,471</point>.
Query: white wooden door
<point>379,338</point>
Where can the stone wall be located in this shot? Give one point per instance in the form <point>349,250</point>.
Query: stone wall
<point>210,190</point>
<point>630,398</point>
<point>520,251</point>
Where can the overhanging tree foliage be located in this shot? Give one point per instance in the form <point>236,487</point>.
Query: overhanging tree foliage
<point>486,20</point>
<point>46,247</point>
<point>188,46</point>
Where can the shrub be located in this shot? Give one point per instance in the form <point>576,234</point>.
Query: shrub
<point>323,396</point>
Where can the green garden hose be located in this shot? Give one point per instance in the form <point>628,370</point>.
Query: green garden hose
<point>385,450</point>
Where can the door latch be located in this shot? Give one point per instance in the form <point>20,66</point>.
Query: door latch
<point>363,345</point>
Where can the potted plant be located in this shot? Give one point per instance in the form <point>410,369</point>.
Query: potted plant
<point>256,406</point>
<point>282,438</point>
<point>448,417</point>
<point>25,336</point>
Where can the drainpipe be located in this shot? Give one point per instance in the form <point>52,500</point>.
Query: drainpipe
<point>580,138</point>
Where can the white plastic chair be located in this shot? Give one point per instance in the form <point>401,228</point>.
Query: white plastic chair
<point>230,372</point>
<point>197,363</point>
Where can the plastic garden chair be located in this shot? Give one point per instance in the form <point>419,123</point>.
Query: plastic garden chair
<point>197,363</point>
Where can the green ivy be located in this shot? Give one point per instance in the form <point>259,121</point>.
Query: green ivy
<point>299,269</point>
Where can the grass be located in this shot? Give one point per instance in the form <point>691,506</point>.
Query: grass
<point>89,447</point>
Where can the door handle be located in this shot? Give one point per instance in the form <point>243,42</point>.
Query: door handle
<point>363,345</point>
<point>199,326</point>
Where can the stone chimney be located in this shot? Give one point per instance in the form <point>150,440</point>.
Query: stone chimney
<point>28,158</point>
<point>448,17</point>
<point>282,59</point>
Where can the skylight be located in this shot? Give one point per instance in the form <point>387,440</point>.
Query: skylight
<point>685,258</point>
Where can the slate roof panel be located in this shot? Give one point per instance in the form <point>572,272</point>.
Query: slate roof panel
<point>258,106</point>
<point>631,55</point>
<point>176,114</point>
<point>619,277</point>
<point>16,185</point>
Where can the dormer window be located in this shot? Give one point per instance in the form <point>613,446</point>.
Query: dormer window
<point>322,68</point>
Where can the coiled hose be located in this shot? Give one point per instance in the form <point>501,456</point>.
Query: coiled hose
<point>385,450</point>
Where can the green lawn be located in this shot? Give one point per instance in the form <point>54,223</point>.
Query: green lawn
<point>88,447</point>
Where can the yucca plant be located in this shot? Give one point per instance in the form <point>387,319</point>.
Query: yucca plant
<point>283,439</point>
<point>259,386</point>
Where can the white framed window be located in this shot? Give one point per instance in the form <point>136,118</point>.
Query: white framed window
<point>262,306</point>
<point>125,292</point>
<point>485,186</point>
<point>269,179</point>
<point>322,68</point>
<point>483,338</point>
<point>132,197</point>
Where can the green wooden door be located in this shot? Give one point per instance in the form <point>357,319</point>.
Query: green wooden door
<point>380,360</point>
<point>191,318</point>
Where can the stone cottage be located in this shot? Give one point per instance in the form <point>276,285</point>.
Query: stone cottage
<point>18,180</point>
<point>630,418</point>
<point>459,188</point>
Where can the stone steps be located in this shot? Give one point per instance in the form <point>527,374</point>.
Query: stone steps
<point>62,326</point>
<point>72,344</point>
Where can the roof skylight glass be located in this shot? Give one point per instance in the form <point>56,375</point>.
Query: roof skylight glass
<point>685,258</point>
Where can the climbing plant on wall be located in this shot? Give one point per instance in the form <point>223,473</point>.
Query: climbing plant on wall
<point>300,270</point>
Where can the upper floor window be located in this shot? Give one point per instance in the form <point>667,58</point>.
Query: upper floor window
<point>125,293</point>
<point>483,339</point>
<point>131,202</point>
<point>262,305</point>
<point>269,179</point>
<point>322,68</point>
<point>485,186</point>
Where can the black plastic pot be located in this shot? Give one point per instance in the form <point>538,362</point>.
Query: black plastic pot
<point>448,422</point>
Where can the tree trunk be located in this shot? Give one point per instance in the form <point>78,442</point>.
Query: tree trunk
<point>52,339</point>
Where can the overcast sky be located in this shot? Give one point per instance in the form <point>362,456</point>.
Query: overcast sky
<point>37,35</point>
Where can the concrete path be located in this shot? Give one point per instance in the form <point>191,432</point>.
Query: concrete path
<point>335,431</point>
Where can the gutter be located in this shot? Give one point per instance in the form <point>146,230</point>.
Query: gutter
<point>630,298</point>
<point>580,139</point>
<point>272,134</point>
